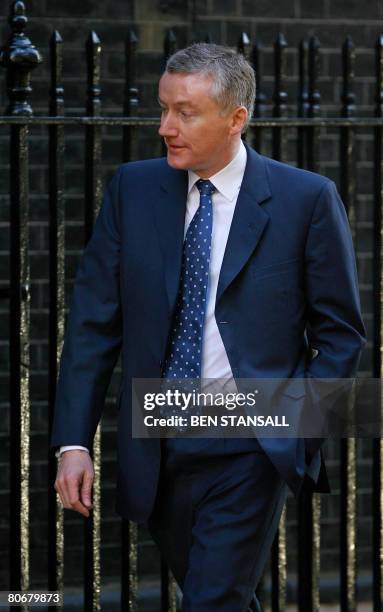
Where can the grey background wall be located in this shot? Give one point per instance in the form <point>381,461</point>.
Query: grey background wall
<point>223,20</point>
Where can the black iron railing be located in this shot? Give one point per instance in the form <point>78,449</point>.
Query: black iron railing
<point>19,57</point>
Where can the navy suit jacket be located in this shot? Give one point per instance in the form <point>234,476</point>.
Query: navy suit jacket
<point>288,284</point>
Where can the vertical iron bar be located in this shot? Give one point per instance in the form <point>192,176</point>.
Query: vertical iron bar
<point>308,551</point>
<point>130,95</point>
<point>280,97</point>
<point>129,531</point>
<point>19,359</point>
<point>377,453</point>
<point>347,136</point>
<point>309,503</point>
<point>56,302</point>
<point>260,98</point>
<point>93,197</point>
<point>168,582</point>
<point>19,57</point>
<point>348,445</point>
<point>313,101</point>
<point>192,14</point>
<point>168,589</point>
<point>243,47</point>
<point>279,567</point>
<point>303,103</point>
<point>170,47</point>
<point>278,553</point>
<point>129,580</point>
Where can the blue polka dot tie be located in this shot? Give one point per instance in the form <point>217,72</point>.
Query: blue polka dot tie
<point>185,342</point>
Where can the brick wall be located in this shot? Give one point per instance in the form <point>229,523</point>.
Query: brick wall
<point>223,20</point>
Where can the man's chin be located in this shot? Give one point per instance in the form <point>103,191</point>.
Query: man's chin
<point>177,162</point>
<point>178,159</point>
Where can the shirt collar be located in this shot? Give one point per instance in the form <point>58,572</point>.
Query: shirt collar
<point>228,180</point>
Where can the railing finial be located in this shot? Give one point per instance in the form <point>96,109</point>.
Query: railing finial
<point>170,44</point>
<point>19,57</point>
<point>244,46</point>
<point>314,65</point>
<point>348,65</point>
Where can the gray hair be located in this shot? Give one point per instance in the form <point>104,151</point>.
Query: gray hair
<point>233,76</point>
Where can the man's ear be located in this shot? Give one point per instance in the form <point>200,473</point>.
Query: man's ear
<point>238,120</point>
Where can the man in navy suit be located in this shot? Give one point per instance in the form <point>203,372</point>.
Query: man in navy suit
<point>276,296</point>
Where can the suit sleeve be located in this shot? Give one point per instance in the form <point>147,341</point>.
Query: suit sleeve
<point>335,328</point>
<point>93,335</point>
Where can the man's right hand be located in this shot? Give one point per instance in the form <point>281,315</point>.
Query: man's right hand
<point>74,481</point>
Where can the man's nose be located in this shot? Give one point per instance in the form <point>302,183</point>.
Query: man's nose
<point>168,126</point>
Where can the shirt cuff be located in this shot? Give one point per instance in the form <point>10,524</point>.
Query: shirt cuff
<point>62,449</point>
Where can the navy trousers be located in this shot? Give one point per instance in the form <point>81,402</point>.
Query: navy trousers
<point>216,512</point>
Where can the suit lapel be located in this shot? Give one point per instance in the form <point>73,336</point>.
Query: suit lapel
<point>170,208</point>
<point>249,220</point>
<point>248,225</point>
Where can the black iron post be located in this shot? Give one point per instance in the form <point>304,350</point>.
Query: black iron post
<point>348,445</point>
<point>56,301</point>
<point>19,57</point>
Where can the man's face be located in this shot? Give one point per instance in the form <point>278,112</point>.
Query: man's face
<point>199,136</point>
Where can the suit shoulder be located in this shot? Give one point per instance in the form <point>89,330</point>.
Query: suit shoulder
<point>297,177</point>
<point>144,167</point>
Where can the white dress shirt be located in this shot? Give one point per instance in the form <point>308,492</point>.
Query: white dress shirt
<point>215,363</point>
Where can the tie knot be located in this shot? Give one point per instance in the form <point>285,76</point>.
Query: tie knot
<point>205,187</point>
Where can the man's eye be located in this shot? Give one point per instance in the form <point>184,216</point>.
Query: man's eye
<point>185,115</point>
